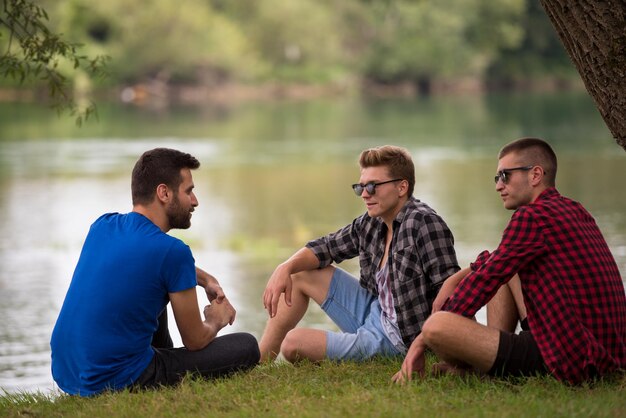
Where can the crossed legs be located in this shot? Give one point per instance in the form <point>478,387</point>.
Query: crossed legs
<point>462,342</point>
<point>223,356</point>
<point>282,336</point>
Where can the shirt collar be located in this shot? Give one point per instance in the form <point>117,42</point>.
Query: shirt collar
<point>547,194</point>
<point>408,204</point>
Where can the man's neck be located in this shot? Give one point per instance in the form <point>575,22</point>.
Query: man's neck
<point>156,217</point>
<point>389,221</point>
<point>538,192</point>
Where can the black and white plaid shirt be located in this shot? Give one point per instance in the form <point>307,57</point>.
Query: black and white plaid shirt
<point>421,257</point>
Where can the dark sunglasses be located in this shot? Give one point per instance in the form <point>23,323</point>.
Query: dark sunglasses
<point>503,174</point>
<point>370,187</point>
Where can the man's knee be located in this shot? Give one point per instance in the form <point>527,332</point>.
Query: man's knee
<point>302,279</point>
<point>251,348</point>
<point>303,343</point>
<point>291,346</point>
<point>244,347</point>
<point>437,327</point>
<point>313,283</point>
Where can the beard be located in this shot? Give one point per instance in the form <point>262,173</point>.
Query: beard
<point>177,216</point>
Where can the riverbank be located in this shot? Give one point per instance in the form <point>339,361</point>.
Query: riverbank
<point>339,390</point>
<point>157,92</point>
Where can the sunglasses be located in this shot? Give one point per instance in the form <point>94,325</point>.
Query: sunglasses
<point>370,187</point>
<point>503,175</point>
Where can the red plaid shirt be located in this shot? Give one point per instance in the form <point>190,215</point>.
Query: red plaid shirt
<point>573,291</point>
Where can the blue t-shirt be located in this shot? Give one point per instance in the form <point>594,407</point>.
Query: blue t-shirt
<point>121,283</point>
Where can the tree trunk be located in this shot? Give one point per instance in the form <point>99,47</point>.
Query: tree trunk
<point>594,35</point>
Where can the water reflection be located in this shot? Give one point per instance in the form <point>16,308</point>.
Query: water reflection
<point>272,177</point>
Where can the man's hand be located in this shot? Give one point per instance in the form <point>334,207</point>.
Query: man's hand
<point>214,291</point>
<point>448,287</point>
<point>414,362</point>
<point>219,314</point>
<point>195,332</point>
<point>279,282</point>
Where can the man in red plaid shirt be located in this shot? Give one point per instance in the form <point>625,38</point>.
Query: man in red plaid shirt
<point>552,271</point>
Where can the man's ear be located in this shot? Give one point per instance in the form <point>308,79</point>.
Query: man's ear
<point>537,175</point>
<point>404,187</point>
<point>163,193</point>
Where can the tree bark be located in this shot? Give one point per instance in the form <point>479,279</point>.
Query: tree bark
<point>594,35</point>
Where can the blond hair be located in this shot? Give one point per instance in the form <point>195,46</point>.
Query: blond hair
<point>397,160</point>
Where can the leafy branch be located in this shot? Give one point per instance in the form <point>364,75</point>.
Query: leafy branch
<point>34,51</point>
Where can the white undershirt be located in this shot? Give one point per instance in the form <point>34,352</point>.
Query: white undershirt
<point>388,314</point>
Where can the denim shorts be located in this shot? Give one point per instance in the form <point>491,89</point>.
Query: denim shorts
<point>357,313</point>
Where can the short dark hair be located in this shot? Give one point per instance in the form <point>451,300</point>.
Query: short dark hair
<point>159,166</point>
<point>397,160</point>
<point>534,151</point>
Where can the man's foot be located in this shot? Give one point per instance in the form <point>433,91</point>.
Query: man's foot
<point>267,356</point>
<point>443,368</point>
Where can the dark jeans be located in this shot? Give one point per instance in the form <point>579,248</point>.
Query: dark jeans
<point>223,356</point>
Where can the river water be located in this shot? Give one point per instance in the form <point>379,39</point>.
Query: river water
<point>273,175</point>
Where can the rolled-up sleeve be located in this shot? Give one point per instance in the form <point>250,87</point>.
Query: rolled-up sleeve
<point>435,248</point>
<point>338,246</point>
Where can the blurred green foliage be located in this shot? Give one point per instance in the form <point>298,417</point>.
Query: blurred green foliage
<point>30,50</point>
<point>310,41</point>
<point>540,53</point>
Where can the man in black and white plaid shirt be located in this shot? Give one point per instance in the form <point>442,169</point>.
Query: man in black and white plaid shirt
<point>406,252</point>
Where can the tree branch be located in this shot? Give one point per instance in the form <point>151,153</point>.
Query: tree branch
<point>39,52</point>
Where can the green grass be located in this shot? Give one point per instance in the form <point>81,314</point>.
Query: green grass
<point>338,390</point>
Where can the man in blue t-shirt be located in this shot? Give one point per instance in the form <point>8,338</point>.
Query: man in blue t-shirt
<point>112,330</point>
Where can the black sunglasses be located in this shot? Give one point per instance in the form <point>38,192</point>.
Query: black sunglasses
<point>370,187</point>
<point>503,174</point>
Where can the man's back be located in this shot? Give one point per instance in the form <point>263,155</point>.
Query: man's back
<point>120,285</point>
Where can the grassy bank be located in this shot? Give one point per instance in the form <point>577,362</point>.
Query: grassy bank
<point>346,389</point>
